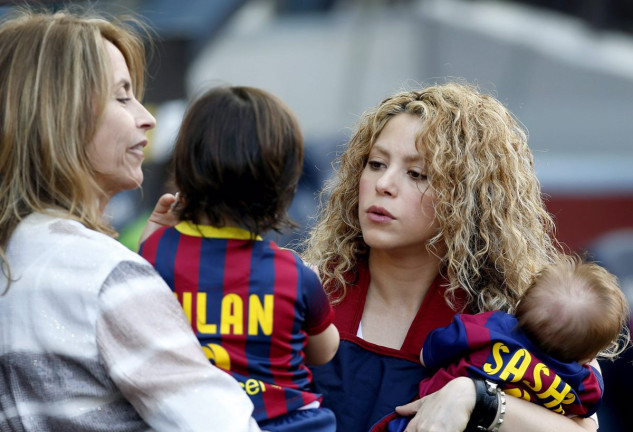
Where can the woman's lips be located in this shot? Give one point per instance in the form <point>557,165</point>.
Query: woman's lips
<point>379,214</point>
<point>138,149</point>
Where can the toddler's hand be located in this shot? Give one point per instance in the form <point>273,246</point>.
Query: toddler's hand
<point>161,216</point>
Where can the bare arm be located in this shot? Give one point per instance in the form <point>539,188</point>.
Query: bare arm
<point>524,416</point>
<point>322,347</point>
<point>449,410</point>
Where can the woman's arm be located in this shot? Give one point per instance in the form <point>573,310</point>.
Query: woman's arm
<point>449,410</point>
<point>524,416</point>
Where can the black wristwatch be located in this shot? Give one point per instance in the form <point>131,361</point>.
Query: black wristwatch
<point>489,407</point>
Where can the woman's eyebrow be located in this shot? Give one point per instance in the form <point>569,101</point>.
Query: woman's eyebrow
<point>124,83</point>
<point>410,158</point>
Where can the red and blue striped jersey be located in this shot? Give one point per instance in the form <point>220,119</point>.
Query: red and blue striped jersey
<point>491,345</point>
<point>252,306</point>
<point>365,382</point>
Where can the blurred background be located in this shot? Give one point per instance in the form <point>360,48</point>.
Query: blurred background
<point>564,67</point>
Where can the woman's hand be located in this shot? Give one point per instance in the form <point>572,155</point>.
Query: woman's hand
<point>161,216</point>
<point>447,410</point>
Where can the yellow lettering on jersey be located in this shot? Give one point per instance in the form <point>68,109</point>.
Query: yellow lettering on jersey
<point>218,355</point>
<point>497,349</point>
<point>260,316</point>
<point>539,370</point>
<point>556,395</point>
<point>253,386</point>
<point>518,393</point>
<point>201,315</point>
<point>517,366</point>
<point>232,321</point>
<point>570,398</point>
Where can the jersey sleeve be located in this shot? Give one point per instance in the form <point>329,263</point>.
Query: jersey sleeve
<point>155,360</point>
<point>149,247</point>
<point>319,312</point>
<point>447,344</point>
<point>444,344</point>
<point>590,394</point>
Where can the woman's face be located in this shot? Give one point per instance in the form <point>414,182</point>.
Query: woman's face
<point>395,205</point>
<point>116,152</point>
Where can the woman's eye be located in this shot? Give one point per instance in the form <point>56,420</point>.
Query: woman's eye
<point>124,100</point>
<point>415,175</point>
<point>375,164</point>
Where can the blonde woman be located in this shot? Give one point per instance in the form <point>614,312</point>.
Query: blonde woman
<point>435,209</point>
<point>91,338</point>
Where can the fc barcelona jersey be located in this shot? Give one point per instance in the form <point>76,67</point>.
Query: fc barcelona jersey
<point>491,345</point>
<point>252,306</point>
<point>365,382</point>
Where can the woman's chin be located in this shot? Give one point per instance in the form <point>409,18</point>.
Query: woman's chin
<point>114,185</point>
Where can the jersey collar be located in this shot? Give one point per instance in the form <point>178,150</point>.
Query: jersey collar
<point>208,231</point>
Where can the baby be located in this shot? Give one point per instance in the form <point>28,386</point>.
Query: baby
<point>574,312</point>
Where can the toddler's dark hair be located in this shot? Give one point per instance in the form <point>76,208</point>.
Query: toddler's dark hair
<point>238,158</point>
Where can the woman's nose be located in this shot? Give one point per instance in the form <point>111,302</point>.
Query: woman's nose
<point>145,119</point>
<point>386,183</point>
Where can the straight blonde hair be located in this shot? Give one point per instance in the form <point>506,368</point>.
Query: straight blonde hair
<point>54,84</point>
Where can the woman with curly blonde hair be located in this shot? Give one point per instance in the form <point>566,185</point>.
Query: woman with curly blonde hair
<point>435,209</point>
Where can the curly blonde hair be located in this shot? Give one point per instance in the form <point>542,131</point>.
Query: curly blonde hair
<point>494,230</point>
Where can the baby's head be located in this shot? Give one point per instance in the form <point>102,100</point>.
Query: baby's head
<point>575,311</point>
<point>237,160</point>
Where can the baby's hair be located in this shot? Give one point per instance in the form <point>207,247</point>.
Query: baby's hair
<point>575,310</point>
<point>238,159</point>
